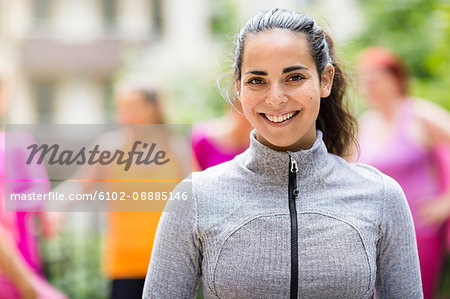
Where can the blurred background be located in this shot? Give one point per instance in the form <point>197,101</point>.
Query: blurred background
<point>60,61</point>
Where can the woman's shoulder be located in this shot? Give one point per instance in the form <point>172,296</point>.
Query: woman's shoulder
<point>364,170</point>
<point>220,173</point>
<point>425,107</point>
<point>435,118</point>
<point>355,169</point>
<point>371,175</point>
<point>370,183</point>
<point>365,176</point>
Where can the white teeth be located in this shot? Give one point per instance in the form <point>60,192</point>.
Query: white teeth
<point>279,118</point>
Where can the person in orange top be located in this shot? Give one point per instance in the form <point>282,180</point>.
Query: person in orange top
<point>129,237</point>
<point>130,234</point>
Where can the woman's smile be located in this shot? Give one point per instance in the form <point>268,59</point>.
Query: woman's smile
<point>280,119</point>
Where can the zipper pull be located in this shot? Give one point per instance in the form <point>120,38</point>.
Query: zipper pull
<point>294,167</point>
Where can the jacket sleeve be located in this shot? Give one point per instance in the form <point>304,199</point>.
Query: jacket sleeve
<point>398,270</point>
<point>175,263</point>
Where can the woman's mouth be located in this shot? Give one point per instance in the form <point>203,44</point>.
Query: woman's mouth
<point>281,118</point>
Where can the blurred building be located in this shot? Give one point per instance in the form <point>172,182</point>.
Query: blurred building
<point>61,56</point>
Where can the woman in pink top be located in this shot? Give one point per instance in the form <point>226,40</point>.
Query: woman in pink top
<point>219,140</point>
<point>398,137</point>
<point>20,264</point>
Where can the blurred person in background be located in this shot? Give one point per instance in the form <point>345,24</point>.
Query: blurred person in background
<point>129,235</point>
<point>20,263</point>
<point>219,140</point>
<point>400,137</point>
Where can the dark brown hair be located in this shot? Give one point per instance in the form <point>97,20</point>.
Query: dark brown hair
<point>336,123</point>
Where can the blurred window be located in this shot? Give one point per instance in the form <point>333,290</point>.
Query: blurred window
<point>42,13</point>
<point>109,13</point>
<point>303,3</point>
<point>108,98</point>
<point>44,94</point>
<point>2,9</point>
<point>156,16</point>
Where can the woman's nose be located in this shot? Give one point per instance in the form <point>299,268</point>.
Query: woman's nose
<point>276,95</point>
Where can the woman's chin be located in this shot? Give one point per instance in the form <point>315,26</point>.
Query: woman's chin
<point>278,143</point>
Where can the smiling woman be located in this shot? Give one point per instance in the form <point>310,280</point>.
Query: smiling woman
<point>289,217</point>
<point>281,98</point>
<point>306,66</point>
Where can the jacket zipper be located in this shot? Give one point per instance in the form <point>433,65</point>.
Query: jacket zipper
<point>293,192</point>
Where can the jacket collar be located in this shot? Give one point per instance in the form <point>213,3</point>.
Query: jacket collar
<point>264,160</point>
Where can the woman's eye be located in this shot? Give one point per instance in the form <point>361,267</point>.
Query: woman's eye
<point>296,77</point>
<point>255,81</point>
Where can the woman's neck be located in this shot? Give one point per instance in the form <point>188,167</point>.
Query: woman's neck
<point>390,108</point>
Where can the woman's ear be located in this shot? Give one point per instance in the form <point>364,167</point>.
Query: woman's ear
<point>326,82</point>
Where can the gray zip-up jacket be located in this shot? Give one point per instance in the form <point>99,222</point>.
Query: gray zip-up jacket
<point>253,223</point>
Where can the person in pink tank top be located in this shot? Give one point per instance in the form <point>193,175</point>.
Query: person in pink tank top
<point>20,263</point>
<point>398,137</point>
<point>220,140</point>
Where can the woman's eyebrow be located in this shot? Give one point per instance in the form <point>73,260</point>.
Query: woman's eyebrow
<point>285,70</point>
<point>294,68</point>
<point>259,73</point>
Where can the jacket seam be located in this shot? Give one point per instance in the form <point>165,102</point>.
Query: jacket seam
<point>229,235</point>
<point>359,235</point>
<point>239,226</point>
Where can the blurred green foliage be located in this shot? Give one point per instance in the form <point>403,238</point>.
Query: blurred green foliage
<point>72,265</point>
<point>198,95</point>
<point>223,17</point>
<point>194,98</point>
<point>419,32</point>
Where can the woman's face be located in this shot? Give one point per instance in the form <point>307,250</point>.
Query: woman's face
<point>379,85</point>
<point>132,108</point>
<point>280,89</point>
